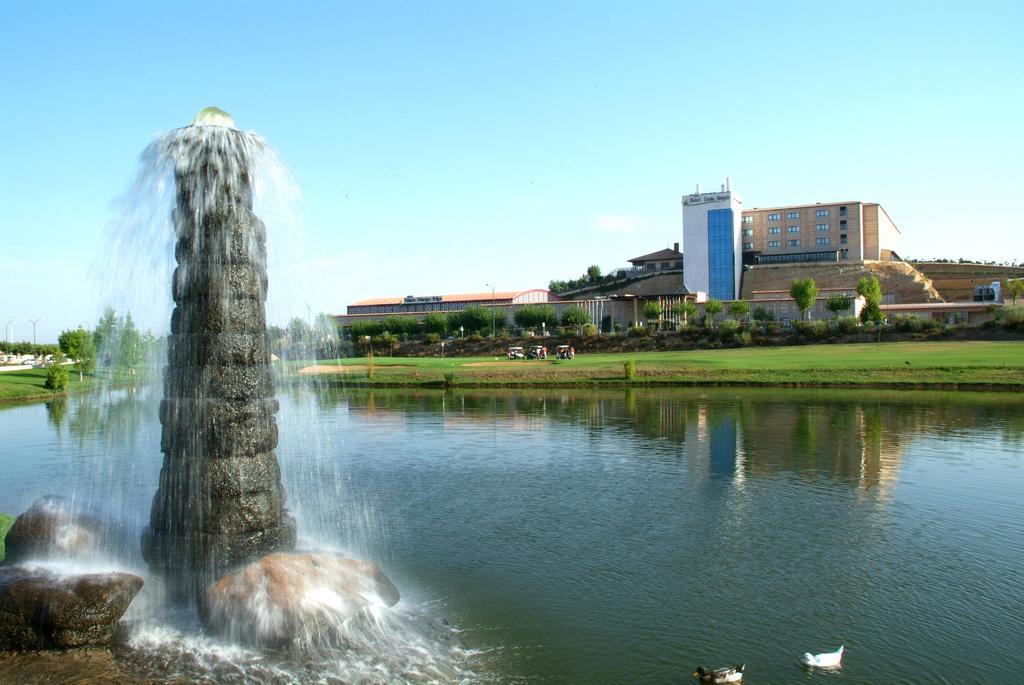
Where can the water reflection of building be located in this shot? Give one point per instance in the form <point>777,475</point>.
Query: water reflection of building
<point>719,434</point>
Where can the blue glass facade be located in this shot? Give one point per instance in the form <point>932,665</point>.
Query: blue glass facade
<point>721,254</point>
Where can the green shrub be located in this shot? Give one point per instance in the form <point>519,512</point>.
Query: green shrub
<point>637,331</point>
<point>475,337</point>
<point>744,338</point>
<point>1010,317</point>
<point>763,314</point>
<point>433,338</point>
<point>449,379</point>
<point>812,330</point>
<point>847,324</point>
<point>589,330</point>
<point>727,330</point>
<point>56,377</point>
<point>629,366</point>
<point>906,324</point>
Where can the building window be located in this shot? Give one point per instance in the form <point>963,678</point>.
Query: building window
<point>842,239</point>
<point>792,215</point>
<point>842,211</point>
<point>842,224</point>
<point>822,227</point>
<point>748,219</point>
<point>792,229</point>
<point>775,230</point>
<point>794,243</point>
<point>773,217</point>
<point>822,241</point>
<point>845,254</point>
<point>748,246</point>
<point>748,232</point>
<point>774,243</point>
<point>721,255</point>
<point>821,212</point>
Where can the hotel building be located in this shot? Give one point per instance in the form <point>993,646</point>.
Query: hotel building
<point>712,245</point>
<point>720,237</point>
<point>822,232</point>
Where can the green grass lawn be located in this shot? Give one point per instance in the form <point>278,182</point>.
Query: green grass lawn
<point>970,363</point>
<point>28,384</point>
<point>6,521</point>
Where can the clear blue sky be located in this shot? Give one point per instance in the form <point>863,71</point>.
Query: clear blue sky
<point>444,145</point>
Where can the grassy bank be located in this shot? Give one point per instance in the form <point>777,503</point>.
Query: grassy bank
<point>27,385</point>
<point>6,521</point>
<point>963,365</point>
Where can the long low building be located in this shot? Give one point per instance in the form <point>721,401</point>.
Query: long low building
<point>607,312</point>
<point>417,304</point>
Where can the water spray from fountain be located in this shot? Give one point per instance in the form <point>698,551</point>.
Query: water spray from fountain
<point>220,538</point>
<point>220,502</point>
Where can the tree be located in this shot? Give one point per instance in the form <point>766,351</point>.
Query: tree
<point>594,273</point>
<point>837,304</point>
<point>130,348</point>
<point>325,326</point>
<point>575,316</point>
<point>712,308</point>
<point>79,346</point>
<point>105,338</point>
<point>685,309</point>
<point>531,316</point>
<point>402,325</point>
<point>1014,288</point>
<point>763,314</point>
<point>871,291</point>
<point>472,319</point>
<point>739,308</point>
<point>56,377</point>
<point>361,329</point>
<point>652,311</point>
<point>436,322</point>
<point>804,292</point>
<point>298,330</point>
<point>388,341</point>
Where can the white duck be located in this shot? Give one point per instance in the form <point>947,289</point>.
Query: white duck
<point>824,660</point>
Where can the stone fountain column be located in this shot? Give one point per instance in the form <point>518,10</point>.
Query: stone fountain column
<point>220,502</point>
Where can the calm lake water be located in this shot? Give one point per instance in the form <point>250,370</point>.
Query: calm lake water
<point>629,536</point>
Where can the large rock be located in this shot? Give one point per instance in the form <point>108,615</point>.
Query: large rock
<point>42,609</point>
<point>53,527</point>
<point>296,598</point>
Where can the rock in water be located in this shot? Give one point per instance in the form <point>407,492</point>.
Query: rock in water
<point>52,527</point>
<point>41,609</point>
<point>296,598</point>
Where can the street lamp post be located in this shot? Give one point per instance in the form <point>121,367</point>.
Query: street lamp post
<point>494,330</point>
<point>34,322</point>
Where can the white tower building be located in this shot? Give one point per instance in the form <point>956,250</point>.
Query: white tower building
<point>713,243</point>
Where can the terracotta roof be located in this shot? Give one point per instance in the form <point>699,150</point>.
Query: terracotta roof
<point>378,301</point>
<point>667,253</point>
<point>483,297</point>
<point>476,297</point>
